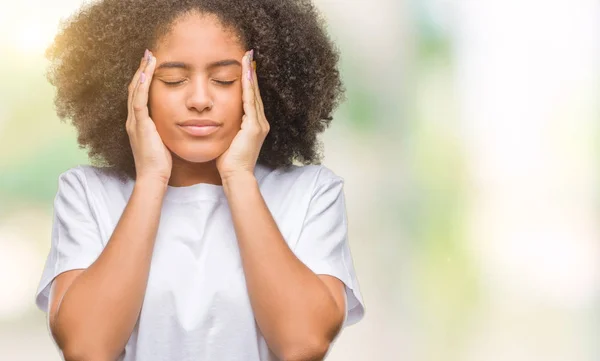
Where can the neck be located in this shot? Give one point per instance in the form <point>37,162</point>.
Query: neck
<point>186,173</point>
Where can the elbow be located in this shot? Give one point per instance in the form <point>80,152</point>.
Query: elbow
<point>80,350</point>
<point>315,350</point>
<point>78,353</point>
<point>76,347</point>
<point>70,355</point>
<point>310,348</point>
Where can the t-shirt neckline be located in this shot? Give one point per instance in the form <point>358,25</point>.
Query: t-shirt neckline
<point>203,191</point>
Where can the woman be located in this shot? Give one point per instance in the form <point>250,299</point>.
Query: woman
<point>194,237</point>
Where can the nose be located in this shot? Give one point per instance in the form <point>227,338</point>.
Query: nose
<point>199,97</point>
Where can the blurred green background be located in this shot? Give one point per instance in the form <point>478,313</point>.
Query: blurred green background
<point>469,146</point>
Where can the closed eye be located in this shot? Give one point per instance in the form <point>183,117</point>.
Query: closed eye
<point>223,82</point>
<point>220,82</point>
<point>173,83</point>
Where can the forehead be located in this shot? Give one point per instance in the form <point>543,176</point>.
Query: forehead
<point>199,36</point>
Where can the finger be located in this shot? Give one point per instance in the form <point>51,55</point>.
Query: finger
<point>247,89</point>
<point>257,96</point>
<point>135,80</point>
<point>138,78</point>
<point>140,100</point>
<point>131,123</point>
<point>258,99</point>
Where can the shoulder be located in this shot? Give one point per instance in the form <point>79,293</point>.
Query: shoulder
<point>89,179</point>
<point>72,180</point>
<point>298,177</point>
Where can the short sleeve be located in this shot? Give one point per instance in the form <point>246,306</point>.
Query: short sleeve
<point>75,239</point>
<point>323,243</point>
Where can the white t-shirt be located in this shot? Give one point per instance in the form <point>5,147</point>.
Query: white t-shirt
<point>196,305</point>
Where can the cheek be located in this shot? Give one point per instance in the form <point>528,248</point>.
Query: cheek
<point>235,106</point>
<point>158,104</point>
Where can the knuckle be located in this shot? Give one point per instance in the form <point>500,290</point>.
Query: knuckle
<point>256,131</point>
<point>138,107</point>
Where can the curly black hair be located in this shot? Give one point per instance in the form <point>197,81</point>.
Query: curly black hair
<point>96,52</point>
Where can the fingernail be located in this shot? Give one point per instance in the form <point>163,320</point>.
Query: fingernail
<point>251,55</point>
<point>142,78</point>
<point>146,53</point>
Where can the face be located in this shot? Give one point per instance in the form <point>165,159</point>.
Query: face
<point>197,78</point>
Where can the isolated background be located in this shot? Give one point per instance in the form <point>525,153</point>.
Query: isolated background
<point>469,146</point>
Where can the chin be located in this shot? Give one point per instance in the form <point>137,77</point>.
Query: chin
<point>197,154</point>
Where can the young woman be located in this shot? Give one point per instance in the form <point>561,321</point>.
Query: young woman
<point>194,236</point>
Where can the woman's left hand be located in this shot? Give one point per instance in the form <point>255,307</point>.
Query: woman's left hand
<point>241,157</point>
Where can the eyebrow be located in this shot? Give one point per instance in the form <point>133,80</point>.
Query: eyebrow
<point>185,66</point>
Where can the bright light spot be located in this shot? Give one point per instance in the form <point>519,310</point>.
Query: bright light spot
<point>20,261</point>
<point>33,39</point>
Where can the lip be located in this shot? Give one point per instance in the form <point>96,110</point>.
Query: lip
<point>199,131</point>
<point>199,127</point>
<point>199,122</point>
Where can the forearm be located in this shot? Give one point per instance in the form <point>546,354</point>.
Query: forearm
<point>293,307</point>
<point>99,310</point>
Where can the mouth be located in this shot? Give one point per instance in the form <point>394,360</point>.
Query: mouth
<point>199,130</point>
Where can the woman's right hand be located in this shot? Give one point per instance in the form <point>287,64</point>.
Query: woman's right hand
<point>152,158</point>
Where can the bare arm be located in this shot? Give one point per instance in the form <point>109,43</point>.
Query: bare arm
<point>93,318</point>
<point>298,312</point>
